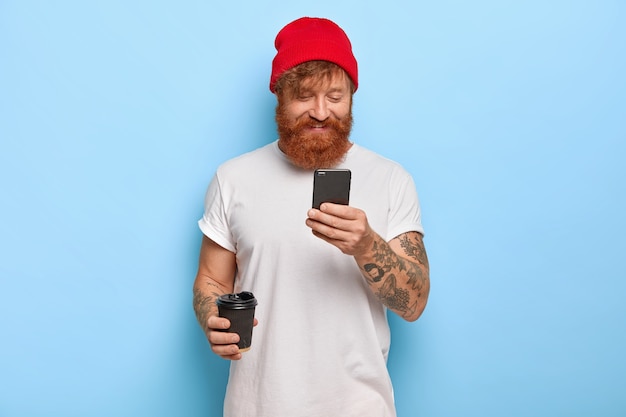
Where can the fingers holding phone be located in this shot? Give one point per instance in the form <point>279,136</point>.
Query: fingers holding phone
<point>346,228</point>
<point>342,226</point>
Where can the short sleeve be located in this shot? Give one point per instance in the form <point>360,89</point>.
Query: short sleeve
<point>405,213</point>
<point>214,221</point>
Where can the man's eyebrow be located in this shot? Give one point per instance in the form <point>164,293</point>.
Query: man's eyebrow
<point>331,90</point>
<point>337,90</point>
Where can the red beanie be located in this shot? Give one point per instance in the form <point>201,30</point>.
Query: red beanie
<point>312,39</point>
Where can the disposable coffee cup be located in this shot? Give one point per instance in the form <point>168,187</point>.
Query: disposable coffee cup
<point>239,309</point>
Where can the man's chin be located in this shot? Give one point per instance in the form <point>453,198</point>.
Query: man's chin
<point>316,163</point>
<point>313,159</point>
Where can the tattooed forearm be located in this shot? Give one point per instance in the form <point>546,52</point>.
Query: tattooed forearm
<point>384,257</point>
<point>204,303</point>
<point>393,297</point>
<point>374,272</point>
<point>400,282</point>
<point>413,248</point>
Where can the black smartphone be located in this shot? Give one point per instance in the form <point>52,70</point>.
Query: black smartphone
<point>332,186</point>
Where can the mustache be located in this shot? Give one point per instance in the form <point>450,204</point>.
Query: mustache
<point>294,127</point>
<point>311,122</point>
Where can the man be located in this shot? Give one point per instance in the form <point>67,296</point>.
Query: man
<point>324,279</point>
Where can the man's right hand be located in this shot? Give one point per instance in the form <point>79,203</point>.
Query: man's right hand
<point>216,276</point>
<point>222,343</point>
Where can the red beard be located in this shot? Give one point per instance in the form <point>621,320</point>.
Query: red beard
<point>313,150</point>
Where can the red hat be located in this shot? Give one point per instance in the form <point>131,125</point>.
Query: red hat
<point>311,39</point>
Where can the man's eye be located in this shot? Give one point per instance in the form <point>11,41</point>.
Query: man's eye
<point>335,99</point>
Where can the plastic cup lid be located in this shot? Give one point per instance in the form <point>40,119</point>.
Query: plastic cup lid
<point>243,299</point>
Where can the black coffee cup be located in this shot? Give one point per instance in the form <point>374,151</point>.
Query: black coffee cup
<point>239,309</point>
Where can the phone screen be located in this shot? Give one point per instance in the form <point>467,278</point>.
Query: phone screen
<point>332,186</point>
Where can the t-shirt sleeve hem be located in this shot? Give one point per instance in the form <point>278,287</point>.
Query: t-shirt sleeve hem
<point>212,234</point>
<point>415,227</point>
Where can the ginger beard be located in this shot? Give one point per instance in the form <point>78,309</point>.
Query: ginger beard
<point>310,150</point>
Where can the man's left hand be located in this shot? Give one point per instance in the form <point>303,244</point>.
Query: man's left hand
<point>343,226</point>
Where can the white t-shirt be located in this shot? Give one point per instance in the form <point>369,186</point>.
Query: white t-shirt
<point>320,348</point>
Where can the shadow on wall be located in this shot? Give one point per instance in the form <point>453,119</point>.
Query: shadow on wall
<point>207,373</point>
<point>203,375</point>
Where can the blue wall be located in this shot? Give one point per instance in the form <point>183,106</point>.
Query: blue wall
<point>510,115</point>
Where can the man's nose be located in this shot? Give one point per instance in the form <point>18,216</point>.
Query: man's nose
<point>320,110</point>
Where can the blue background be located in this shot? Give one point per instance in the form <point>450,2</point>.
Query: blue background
<point>510,115</point>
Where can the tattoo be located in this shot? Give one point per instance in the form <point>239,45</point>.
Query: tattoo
<point>393,297</point>
<point>379,273</point>
<point>416,251</point>
<point>384,257</point>
<point>204,304</point>
<point>416,277</point>
<point>387,264</point>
